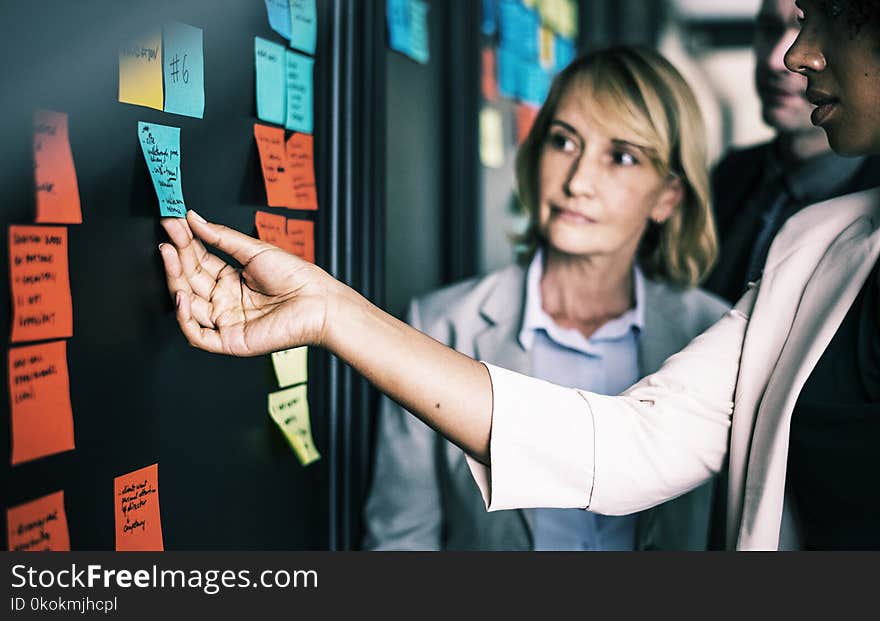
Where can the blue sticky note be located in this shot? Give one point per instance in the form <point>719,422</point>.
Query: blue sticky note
<point>507,72</point>
<point>528,23</point>
<point>509,15</point>
<point>161,147</point>
<point>303,25</point>
<point>271,92</point>
<point>299,81</point>
<point>279,16</point>
<point>184,69</point>
<point>534,85</point>
<point>565,53</point>
<point>489,23</point>
<point>419,39</point>
<point>397,14</point>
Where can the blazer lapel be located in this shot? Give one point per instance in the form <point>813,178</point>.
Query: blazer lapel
<point>828,295</point>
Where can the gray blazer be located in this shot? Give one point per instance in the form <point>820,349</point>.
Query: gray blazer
<point>423,496</point>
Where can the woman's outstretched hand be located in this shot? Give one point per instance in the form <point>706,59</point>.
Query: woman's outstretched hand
<point>272,302</point>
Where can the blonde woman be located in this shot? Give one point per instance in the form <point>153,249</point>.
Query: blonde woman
<point>615,185</point>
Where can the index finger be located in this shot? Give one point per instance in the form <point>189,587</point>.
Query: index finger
<point>243,248</point>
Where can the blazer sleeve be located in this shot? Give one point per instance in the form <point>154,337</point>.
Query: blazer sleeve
<point>404,509</point>
<point>662,437</point>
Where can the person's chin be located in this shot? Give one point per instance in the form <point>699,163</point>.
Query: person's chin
<point>848,143</point>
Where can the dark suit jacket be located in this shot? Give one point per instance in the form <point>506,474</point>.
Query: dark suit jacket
<point>734,183</point>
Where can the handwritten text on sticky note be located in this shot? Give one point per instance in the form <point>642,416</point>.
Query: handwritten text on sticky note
<point>289,409</point>
<point>273,161</point>
<point>304,25</point>
<point>299,70</point>
<point>38,525</point>
<point>301,160</point>
<point>294,236</point>
<point>140,71</point>
<point>184,64</point>
<point>136,500</point>
<point>161,147</point>
<point>42,306</point>
<point>54,172</point>
<point>39,392</point>
<point>271,92</point>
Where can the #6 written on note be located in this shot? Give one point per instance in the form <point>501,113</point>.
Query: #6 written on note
<point>39,391</point>
<point>269,61</point>
<point>299,82</point>
<point>161,147</point>
<point>273,161</point>
<point>289,409</point>
<point>140,71</point>
<point>41,301</point>
<point>294,236</point>
<point>54,172</point>
<point>291,366</point>
<point>137,516</point>
<point>184,70</point>
<point>38,525</point>
<point>301,161</point>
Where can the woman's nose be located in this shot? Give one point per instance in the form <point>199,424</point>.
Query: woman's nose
<point>805,56</point>
<point>582,177</point>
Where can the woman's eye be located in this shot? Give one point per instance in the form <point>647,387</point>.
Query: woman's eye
<point>622,158</point>
<point>561,142</point>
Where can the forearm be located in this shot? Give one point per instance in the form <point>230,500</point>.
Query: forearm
<point>447,390</point>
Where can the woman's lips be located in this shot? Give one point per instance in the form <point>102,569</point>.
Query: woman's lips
<point>825,105</point>
<point>573,217</point>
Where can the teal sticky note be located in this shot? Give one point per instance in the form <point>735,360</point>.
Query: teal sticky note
<point>303,25</point>
<point>161,147</point>
<point>271,92</point>
<point>397,14</point>
<point>299,73</point>
<point>419,49</point>
<point>184,69</point>
<point>279,16</point>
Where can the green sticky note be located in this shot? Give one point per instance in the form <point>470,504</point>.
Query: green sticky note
<point>184,69</point>
<point>299,71</point>
<point>291,366</point>
<point>161,147</point>
<point>303,25</point>
<point>269,60</point>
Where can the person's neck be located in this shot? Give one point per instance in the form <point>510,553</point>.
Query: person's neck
<point>800,146</point>
<point>585,292</point>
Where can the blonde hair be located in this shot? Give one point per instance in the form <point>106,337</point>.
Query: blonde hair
<point>640,93</point>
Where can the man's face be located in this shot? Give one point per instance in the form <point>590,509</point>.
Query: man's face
<point>783,103</point>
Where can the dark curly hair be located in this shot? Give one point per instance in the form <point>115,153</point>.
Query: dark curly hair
<point>858,14</point>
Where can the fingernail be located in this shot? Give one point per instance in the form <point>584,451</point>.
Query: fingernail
<point>178,298</point>
<point>160,247</point>
<point>198,217</point>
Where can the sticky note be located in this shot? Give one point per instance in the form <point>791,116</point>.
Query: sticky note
<point>289,409</point>
<point>299,71</point>
<point>397,16</point>
<point>54,173</point>
<point>300,159</point>
<point>294,236</point>
<point>565,53</point>
<point>140,71</point>
<point>271,92</point>
<point>184,64</point>
<point>40,283</point>
<point>536,84</point>
<point>38,525</point>
<point>507,73</point>
<point>273,161</point>
<point>291,366</point>
<point>303,25</point>
<point>279,16</point>
<point>161,147</point>
<point>489,23</point>
<point>39,392</point>
<point>489,83</point>
<point>525,119</point>
<point>491,138</point>
<point>546,48</point>
<point>419,38</point>
<point>136,500</point>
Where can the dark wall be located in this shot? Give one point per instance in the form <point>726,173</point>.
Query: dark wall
<point>227,479</point>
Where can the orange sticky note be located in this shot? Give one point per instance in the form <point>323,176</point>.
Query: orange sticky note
<point>300,159</point>
<point>525,118</point>
<point>273,161</point>
<point>54,172</point>
<point>294,236</point>
<point>37,525</point>
<point>138,523</point>
<point>489,81</point>
<point>39,390</point>
<point>42,306</point>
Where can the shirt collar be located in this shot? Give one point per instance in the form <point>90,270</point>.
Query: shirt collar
<point>815,179</point>
<point>536,319</point>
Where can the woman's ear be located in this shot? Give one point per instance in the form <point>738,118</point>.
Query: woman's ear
<point>668,201</point>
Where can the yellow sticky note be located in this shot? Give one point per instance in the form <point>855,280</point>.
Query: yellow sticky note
<point>291,366</point>
<point>568,19</point>
<point>289,408</point>
<point>140,71</point>
<point>491,138</point>
<point>547,47</point>
<point>529,3</point>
